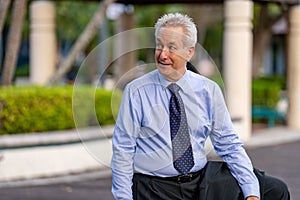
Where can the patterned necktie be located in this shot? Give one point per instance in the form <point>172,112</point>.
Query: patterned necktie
<point>183,160</point>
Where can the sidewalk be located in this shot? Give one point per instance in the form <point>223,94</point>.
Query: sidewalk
<point>46,155</point>
<point>62,156</point>
<point>272,136</point>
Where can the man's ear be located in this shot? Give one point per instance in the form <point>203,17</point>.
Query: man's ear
<point>191,52</point>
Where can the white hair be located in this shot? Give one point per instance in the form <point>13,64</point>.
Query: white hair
<point>177,19</point>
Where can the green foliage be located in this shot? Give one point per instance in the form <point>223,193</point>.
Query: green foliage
<point>72,17</point>
<point>213,42</point>
<point>104,100</point>
<point>273,11</point>
<point>266,92</point>
<point>38,109</point>
<point>22,70</point>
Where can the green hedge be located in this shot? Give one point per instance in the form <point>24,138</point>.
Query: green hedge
<point>266,92</point>
<point>38,109</point>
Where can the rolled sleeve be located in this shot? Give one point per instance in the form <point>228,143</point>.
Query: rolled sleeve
<point>250,190</point>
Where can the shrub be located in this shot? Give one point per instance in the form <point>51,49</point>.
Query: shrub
<point>38,109</point>
<point>265,96</point>
<point>265,92</point>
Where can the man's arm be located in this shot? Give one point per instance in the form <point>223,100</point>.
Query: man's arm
<point>122,167</point>
<point>230,148</point>
<point>124,142</point>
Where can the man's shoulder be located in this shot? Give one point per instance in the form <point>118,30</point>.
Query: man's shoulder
<point>146,79</point>
<point>199,79</point>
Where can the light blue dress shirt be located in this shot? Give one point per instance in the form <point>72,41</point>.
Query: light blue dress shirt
<point>141,140</point>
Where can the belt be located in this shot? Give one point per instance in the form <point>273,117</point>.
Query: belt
<point>179,179</point>
<point>184,178</point>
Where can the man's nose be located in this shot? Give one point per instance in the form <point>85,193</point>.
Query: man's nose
<point>164,53</point>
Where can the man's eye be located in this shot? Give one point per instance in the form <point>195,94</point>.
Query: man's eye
<point>172,48</point>
<point>159,46</point>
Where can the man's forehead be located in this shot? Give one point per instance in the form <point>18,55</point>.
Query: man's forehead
<point>171,30</point>
<point>169,34</point>
<point>169,39</point>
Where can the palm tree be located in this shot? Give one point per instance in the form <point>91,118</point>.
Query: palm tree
<point>4,6</point>
<point>13,41</point>
<point>263,33</point>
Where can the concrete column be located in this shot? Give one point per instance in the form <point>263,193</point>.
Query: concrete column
<point>237,61</point>
<point>42,41</point>
<point>294,69</point>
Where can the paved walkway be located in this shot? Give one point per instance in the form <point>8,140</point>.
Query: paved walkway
<point>44,155</point>
<point>282,161</point>
<point>275,151</point>
<point>98,188</point>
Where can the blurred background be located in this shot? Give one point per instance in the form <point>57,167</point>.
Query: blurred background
<point>64,64</point>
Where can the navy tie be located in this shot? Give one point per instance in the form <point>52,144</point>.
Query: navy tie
<point>183,160</point>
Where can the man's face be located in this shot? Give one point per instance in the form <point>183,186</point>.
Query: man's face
<point>171,55</point>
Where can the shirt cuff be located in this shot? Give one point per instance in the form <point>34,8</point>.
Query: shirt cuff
<point>250,190</point>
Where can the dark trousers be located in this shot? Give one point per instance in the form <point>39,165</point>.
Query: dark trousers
<point>214,182</point>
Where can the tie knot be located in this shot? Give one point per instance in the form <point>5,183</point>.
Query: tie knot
<point>174,88</point>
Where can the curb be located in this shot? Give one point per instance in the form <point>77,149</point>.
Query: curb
<point>54,154</point>
<point>85,176</point>
<point>55,137</point>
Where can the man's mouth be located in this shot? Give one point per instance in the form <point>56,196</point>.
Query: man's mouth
<point>162,64</point>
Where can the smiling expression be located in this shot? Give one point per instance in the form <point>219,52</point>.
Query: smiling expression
<point>171,55</point>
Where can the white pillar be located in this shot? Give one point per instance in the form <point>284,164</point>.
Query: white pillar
<point>237,62</point>
<point>294,69</point>
<point>42,41</point>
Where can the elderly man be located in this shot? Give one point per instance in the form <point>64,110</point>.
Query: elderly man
<point>164,120</point>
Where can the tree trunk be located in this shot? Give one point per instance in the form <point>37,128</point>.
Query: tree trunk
<point>261,42</point>
<point>13,41</point>
<point>4,6</point>
<point>124,63</point>
<point>262,37</point>
<point>81,43</point>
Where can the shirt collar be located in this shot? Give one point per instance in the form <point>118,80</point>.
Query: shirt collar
<point>182,82</point>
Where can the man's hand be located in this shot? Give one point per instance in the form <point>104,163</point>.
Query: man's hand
<point>252,198</point>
